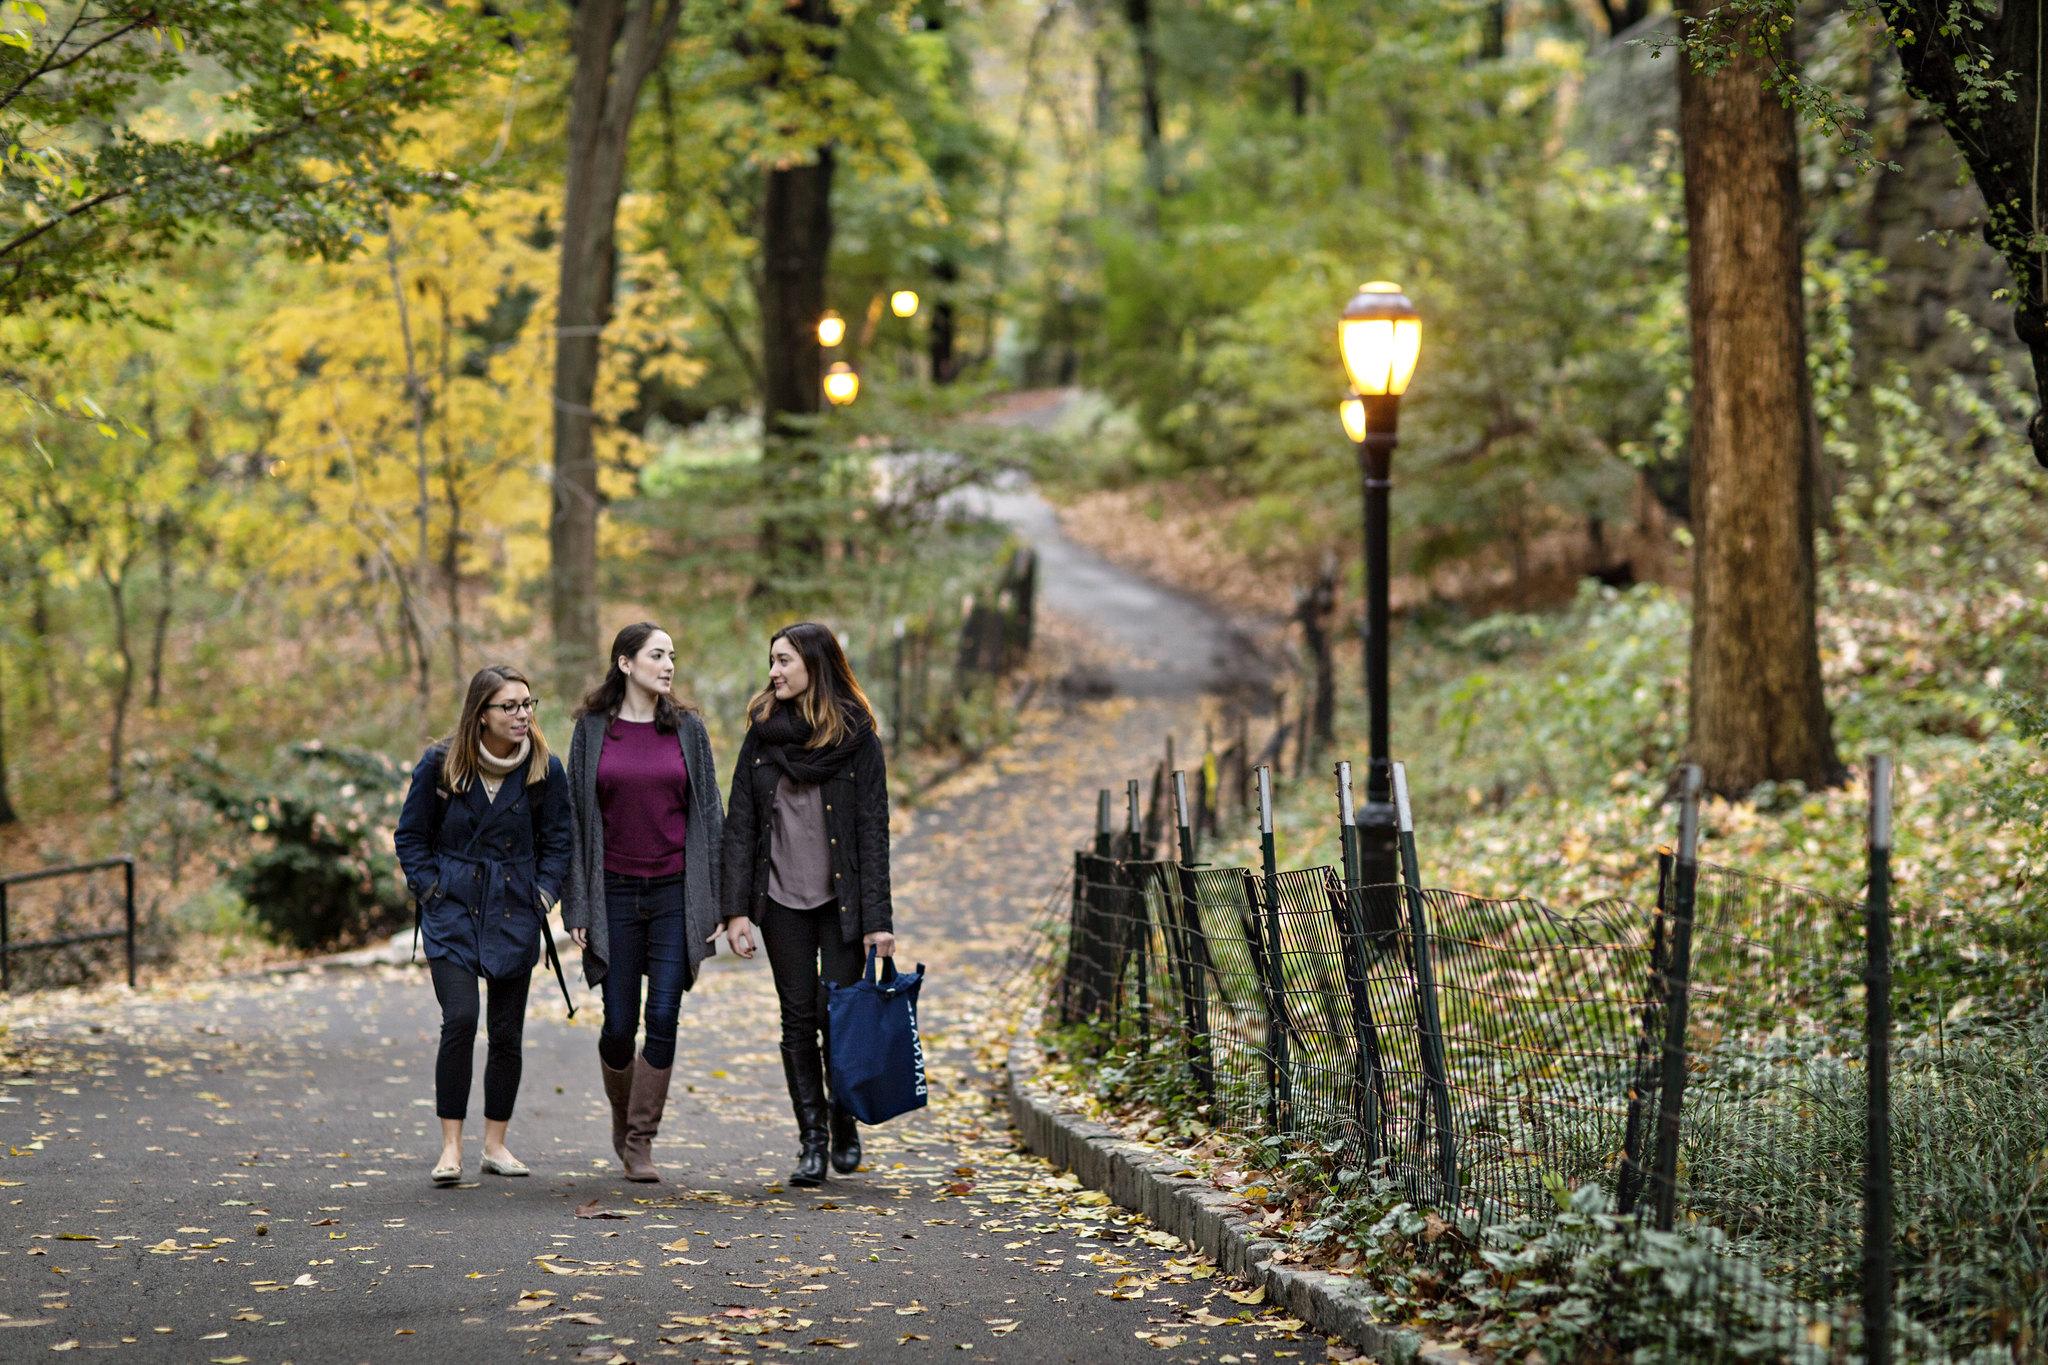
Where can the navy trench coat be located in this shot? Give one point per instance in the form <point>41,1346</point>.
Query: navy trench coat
<point>485,871</point>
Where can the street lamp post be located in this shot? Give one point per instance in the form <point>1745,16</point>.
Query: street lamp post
<point>1379,337</point>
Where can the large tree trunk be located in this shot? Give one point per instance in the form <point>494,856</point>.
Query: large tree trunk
<point>796,242</point>
<point>1757,712</point>
<point>615,45</point>
<point>2000,139</point>
<point>796,247</point>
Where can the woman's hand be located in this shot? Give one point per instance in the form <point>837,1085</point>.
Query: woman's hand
<point>582,937</point>
<point>883,943</point>
<point>738,932</point>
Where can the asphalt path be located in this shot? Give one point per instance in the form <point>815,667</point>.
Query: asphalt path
<point>237,1171</point>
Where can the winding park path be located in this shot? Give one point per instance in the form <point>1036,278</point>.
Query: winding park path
<point>237,1172</point>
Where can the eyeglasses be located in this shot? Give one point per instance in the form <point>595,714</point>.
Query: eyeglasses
<point>513,708</point>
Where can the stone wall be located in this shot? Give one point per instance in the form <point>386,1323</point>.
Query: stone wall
<point>1923,221</point>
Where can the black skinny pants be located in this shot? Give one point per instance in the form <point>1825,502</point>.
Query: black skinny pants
<point>805,950</point>
<point>457,988</point>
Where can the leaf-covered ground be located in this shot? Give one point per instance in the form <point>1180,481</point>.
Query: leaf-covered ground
<point>237,1171</point>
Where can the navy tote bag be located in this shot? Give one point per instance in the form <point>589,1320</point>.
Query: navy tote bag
<point>873,1053</point>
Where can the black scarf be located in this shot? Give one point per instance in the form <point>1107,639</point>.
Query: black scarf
<point>784,740</point>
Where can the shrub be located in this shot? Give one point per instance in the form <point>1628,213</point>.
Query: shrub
<point>322,872</point>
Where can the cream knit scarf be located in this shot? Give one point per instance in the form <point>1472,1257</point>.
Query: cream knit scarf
<point>494,770</point>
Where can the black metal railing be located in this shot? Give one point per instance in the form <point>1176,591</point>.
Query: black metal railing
<point>10,948</point>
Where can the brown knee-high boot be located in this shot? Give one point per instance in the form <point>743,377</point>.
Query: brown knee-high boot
<point>618,1088</point>
<point>643,1119</point>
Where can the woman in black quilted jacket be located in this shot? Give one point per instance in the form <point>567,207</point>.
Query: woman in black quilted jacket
<point>806,863</point>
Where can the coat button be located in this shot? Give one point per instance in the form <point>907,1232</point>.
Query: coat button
<point>835,842</point>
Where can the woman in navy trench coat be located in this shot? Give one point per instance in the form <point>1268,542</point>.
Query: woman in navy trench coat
<point>484,841</point>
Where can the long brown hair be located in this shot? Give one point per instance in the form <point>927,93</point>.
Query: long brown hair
<point>460,763</point>
<point>833,692</point>
<point>604,699</point>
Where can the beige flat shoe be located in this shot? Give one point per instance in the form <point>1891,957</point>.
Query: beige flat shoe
<point>447,1175</point>
<point>512,1167</point>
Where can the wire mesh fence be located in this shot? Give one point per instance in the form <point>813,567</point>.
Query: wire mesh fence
<point>1715,1068</point>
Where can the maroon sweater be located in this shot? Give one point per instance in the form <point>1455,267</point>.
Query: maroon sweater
<point>643,789</point>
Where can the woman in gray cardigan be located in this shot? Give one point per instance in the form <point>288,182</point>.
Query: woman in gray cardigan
<point>643,892</point>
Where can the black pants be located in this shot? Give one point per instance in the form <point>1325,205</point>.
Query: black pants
<point>457,988</point>
<point>805,951</point>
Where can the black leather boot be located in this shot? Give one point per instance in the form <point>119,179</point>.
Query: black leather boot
<point>804,1069</point>
<point>845,1142</point>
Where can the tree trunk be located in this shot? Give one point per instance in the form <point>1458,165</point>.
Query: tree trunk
<point>945,368</point>
<point>8,816</point>
<point>615,45</point>
<point>796,243</point>
<point>166,578</point>
<point>451,498</point>
<point>1756,711</point>
<point>2000,140</point>
<point>124,690</point>
<point>796,248</point>
<point>42,698</point>
<point>1151,122</point>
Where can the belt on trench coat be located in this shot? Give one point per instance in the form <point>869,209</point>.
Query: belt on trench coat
<point>493,867</point>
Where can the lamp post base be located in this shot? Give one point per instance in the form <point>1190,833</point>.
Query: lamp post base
<point>1379,865</point>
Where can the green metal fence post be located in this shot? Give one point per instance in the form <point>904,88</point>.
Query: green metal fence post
<point>1103,835</point>
<point>1877,1140</point>
<point>1347,829</point>
<point>1368,1082</point>
<point>1183,816</point>
<point>1133,849</point>
<point>1435,1068</point>
<point>1276,980</point>
<point>1188,947</point>
<point>1677,1000</point>
<point>1643,1076</point>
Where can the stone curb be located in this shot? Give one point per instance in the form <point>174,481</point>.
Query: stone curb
<point>1206,1218</point>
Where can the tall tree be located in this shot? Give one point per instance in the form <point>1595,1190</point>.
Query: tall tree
<point>796,245</point>
<point>616,45</point>
<point>1757,712</point>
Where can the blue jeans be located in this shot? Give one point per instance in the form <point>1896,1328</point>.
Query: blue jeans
<point>644,916</point>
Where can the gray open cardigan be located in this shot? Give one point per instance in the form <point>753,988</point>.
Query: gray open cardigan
<point>583,898</point>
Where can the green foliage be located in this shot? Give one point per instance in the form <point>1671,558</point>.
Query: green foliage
<point>2013,785</point>
<point>318,869</point>
<point>1936,587</point>
<point>126,131</point>
<point>1548,286</point>
<point>1557,703</point>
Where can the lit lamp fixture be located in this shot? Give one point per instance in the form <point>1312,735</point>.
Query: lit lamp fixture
<point>1351,412</point>
<point>831,329</point>
<point>903,303</point>
<point>1379,337</point>
<point>842,384</point>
